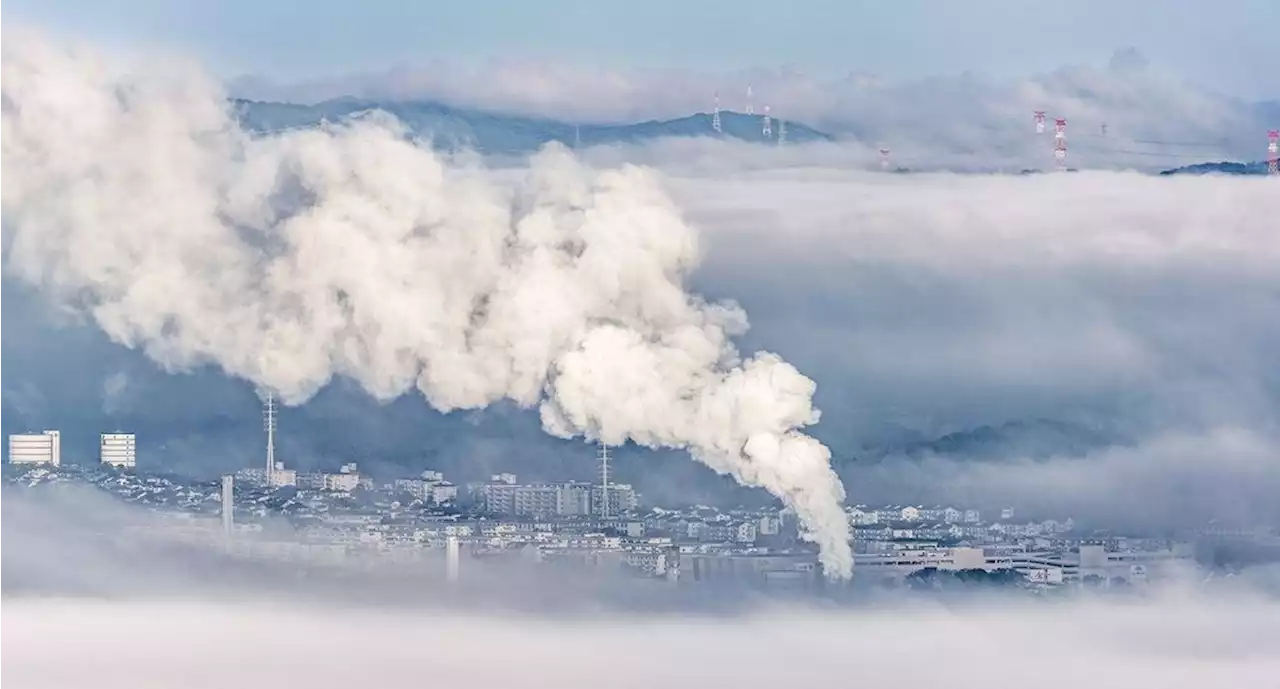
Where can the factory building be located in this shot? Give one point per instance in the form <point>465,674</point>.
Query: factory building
<point>118,450</point>
<point>36,448</point>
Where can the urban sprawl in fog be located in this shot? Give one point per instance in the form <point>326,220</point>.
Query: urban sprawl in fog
<point>275,513</point>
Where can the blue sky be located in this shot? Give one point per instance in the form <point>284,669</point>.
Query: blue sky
<point>1230,44</point>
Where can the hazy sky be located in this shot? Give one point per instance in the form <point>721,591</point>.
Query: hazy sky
<point>1226,44</point>
<point>1134,314</point>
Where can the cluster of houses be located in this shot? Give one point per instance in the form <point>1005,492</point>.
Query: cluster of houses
<point>939,523</point>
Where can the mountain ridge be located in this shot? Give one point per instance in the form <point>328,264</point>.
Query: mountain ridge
<point>1223,167</point>
<point>1023,438</point>
<point>452,127</point>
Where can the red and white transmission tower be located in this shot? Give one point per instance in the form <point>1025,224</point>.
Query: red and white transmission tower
<point>884,158</point>
<point>1273,152</point>
<point>1039,121</point>
<point>1060,142</point>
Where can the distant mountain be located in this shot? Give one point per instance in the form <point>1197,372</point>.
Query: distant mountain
<point>1016,439</point>
<point>1221,168</point>
<point>455,128</point>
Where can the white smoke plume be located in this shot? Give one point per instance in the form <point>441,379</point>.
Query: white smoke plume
<point>291,259</point>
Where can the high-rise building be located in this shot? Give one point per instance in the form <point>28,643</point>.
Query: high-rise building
<point>36,448</point>
<point>500,498</point>
<point>621,496</point>
<point>573,499</point>
<point>535,501</point>
<point>118,450</point>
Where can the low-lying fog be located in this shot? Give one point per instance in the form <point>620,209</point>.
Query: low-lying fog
<point>1168,643</point>
<point>85,610</point>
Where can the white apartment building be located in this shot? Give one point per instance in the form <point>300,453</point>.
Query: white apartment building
<point>280,476</point>
<point>118,450</point>
<point>342,482</point>
<point>36,448</point>
<point>443,492</point>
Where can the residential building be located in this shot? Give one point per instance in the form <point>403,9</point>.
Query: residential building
<point>622,498</point>
<point>36,448</point>
<point>443,492</point>
<point>281,476</point>
<point>118,450</point>
<point>932,514</point>
<point>344,481</point>
<point>535,500</point>
<point>573,499</point>
<point>416,487</point>
<point>859,515</point>
<point>500,497</point>
<point>310,481</point>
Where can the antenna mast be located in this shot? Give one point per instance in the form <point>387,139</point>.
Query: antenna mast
<point>751,109</point>
<point>604,481</point>
<point>766,124</point>
<point>715,116</point>
<point>269,425</point>
<point>1273,152</point>
<point>1060,143</point>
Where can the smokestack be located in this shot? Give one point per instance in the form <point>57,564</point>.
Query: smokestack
<point>228,504</point>
<point>290,258</point>
<point>452,556</point>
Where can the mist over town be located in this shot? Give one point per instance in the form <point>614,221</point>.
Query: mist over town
<point>618,372</point>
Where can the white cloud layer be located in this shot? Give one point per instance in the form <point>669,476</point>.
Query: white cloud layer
<point>1147,307</point>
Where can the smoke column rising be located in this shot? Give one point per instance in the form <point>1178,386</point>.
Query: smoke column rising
<point>289,259</point>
